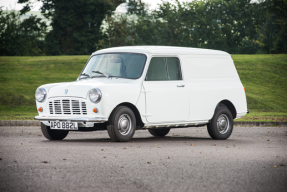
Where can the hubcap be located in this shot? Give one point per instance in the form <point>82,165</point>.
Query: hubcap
<point>125,124</point>
<point>222,124</point>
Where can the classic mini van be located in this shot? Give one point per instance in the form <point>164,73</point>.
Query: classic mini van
<point>157,88</point>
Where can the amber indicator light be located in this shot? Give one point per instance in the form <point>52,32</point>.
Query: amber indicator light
<point>40,109</point>
<point>95,110</point>
<point>244,88</point>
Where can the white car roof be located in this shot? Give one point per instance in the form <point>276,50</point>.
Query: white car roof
<point>162,50</point>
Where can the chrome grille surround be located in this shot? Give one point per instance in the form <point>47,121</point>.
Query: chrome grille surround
<point>67,107</point>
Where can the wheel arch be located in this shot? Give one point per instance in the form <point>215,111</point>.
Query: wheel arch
<point>139,122</point>
<point>230,107</point>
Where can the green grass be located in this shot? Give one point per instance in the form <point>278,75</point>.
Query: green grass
<point>20,76</point>
<point>19,113</point>
<point>264,116</point>
<point>264,77</point>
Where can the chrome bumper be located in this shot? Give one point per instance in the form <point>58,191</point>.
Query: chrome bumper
<point>73,119</point>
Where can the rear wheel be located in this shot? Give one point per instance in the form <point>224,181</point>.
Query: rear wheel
<point>122,124</point>
<point>53,134</point>
<point>159,132</point>
<point>221,125</point>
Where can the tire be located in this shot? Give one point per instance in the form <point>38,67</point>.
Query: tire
<point>53,134</point>
<point>159,132</point>
<point>122,124</point>
<point>221,125</point>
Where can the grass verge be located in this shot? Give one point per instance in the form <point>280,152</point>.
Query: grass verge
<point>264,116</point>
<point>264,77</point>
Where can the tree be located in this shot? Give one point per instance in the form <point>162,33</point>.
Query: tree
<point>75,24</point>
<point>228,25</point>
<point>117,33</point>
<point>21,37</point>
<point>137,7</point>
<point>273,34</point>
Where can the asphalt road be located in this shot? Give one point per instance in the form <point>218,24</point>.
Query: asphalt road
<point>252,159</point>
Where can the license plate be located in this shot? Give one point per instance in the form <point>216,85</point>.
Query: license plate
<point>64,125</point>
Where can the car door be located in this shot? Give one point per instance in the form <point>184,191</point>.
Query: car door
<point>167,99</point>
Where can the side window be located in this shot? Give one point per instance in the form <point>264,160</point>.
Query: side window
<point>173,68</point>
<point>157,70</point>
<point>164,69</point>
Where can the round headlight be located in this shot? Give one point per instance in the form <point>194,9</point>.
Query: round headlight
<point>40,94</point>
<point>95,95</point>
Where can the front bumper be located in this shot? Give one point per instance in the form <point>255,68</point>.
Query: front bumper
<point>73,119</point>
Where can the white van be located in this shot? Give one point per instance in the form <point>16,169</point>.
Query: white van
<point>124,89</point>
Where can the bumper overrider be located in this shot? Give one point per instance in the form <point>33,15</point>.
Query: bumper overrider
<point>73,119</point>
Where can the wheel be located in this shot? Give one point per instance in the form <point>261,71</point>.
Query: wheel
<point>221,125</point>
<point>159,132</point>
<point>53,134</point>
<point>122,124</point>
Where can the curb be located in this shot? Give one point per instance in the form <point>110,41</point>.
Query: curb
<point>260,124</point>
<point>236,123</point>
<point>20,123</point>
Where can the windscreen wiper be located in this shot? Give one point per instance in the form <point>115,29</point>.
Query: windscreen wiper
<point>85,74</point>
<point>105,74</point>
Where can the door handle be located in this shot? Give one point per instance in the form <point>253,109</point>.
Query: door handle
<point>180,85</point>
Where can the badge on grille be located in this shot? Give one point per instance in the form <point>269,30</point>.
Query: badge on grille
<point>66,91</point>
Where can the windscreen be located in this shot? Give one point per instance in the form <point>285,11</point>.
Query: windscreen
<point>123,65</point>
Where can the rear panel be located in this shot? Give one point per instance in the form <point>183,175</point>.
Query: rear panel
<point>211,79</point>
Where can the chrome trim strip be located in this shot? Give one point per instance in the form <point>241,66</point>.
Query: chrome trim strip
<point>73,119</point>
<point>180,124</point>
<point>66,97</point>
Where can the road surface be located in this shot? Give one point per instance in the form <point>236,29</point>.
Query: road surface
<point>252,159</point>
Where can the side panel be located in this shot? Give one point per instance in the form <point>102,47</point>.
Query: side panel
<point>166,102</point>
<point>211,79</point>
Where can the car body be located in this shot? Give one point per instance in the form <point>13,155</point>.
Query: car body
<point>164,87</point>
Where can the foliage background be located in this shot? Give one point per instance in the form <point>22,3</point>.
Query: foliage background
<point>83,26</point>
<point>235,26</point>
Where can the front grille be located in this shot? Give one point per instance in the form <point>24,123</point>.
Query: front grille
<point>76,107</point>
<point>67,107</point>
<point>84,108</point>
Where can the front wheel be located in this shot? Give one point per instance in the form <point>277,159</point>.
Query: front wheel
<point>53,134</point>
<point>122,124</point>
<point>221,125</point>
